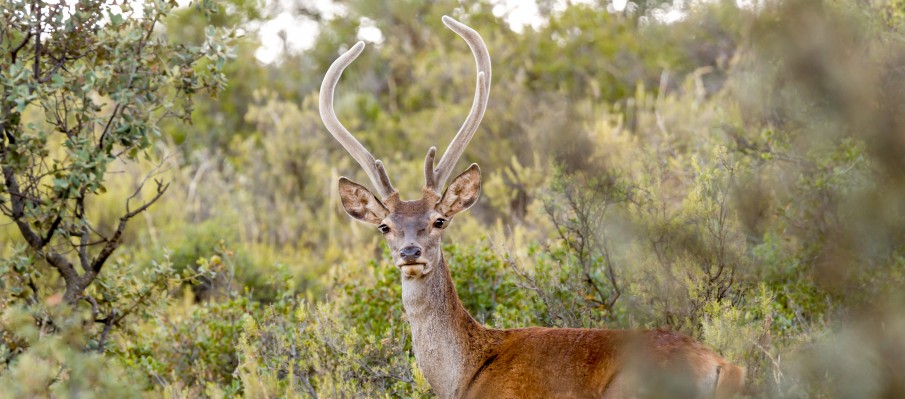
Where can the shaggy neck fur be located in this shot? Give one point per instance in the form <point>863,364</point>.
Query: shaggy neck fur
<point>449,344</point>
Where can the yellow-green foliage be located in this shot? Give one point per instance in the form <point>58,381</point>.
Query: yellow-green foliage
<point>736,175</point>
<point>49,353</point>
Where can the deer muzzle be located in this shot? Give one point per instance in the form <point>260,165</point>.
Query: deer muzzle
<point>412,270</point>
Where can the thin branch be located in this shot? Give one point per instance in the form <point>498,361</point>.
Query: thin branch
<point>34,291</point>
<point>117,235</point>
<point>100,142</point>
<point>36,8</point>
<point>33,239</point>
<point>56,67</point>
<point>53,228</point>
<point>144,41</point>
<point>107,326</point>
<point>24,196</point>
<point>141,299</point>
<point>102,238</point>
<point>15,51</point>
<point>94,306</point>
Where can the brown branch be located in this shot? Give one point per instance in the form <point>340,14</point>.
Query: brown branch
<point>65,124</point>
<point>100,141</point>
<point>15,52</point>
<point>70,276</point>
<point>111,245</point>
<point>113,242</point>
<point>94,306</point>
<point>34,291</point>
<point>53,228</point>
<point>147,37</point>
<point>141,299</point>
<point>108,324</point>
<point>56,67</point>
<point>161,189</point>
<point>36,8</point>
<point>33,239</point>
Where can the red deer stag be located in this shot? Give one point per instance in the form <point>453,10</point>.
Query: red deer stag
<point>459,357</point>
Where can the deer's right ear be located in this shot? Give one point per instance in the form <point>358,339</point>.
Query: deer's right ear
<point>360,204</point>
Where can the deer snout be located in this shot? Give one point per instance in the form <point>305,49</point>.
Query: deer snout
<point>410,262</point>
<point>410,253</point>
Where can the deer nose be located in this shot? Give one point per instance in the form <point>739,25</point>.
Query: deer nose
<point>410,253</point>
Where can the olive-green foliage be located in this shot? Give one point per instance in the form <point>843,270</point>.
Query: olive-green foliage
<point>84,86</point>
<point>52,349</point>
<point>47,358</point>
<point>736,175</point>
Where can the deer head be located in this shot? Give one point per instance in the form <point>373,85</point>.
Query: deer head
<point>412,228</point>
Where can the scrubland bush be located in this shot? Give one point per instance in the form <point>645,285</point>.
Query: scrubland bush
<point>736,175</point>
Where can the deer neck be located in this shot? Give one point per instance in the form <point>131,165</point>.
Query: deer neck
<point>448,343</point>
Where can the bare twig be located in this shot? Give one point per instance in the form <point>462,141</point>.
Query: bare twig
<point>113,242</point>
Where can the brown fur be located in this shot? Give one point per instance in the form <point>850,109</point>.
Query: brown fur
<point>731,380</point>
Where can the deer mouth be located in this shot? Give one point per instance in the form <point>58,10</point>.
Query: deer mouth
<point>413,269</point>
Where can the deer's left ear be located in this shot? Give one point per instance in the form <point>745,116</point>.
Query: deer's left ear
<point>462,193</point>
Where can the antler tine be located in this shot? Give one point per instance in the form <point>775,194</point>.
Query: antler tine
<point>373,168</point>
<point>468,129</point>
<point>429,173</point>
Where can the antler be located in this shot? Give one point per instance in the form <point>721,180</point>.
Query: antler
<point>436,178</point>
<point>373,168</point>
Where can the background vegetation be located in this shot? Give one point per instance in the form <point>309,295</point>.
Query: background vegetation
<point>737,174</point>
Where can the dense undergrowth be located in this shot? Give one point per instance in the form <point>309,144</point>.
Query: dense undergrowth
<point>737,175</point>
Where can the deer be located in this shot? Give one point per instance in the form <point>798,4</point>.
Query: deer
<point>458,356</point>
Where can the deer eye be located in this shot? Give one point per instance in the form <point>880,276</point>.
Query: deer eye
<point>383,228</point>
<point>440,223</point>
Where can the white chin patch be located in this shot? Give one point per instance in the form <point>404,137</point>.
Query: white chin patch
<point>412,270</point>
